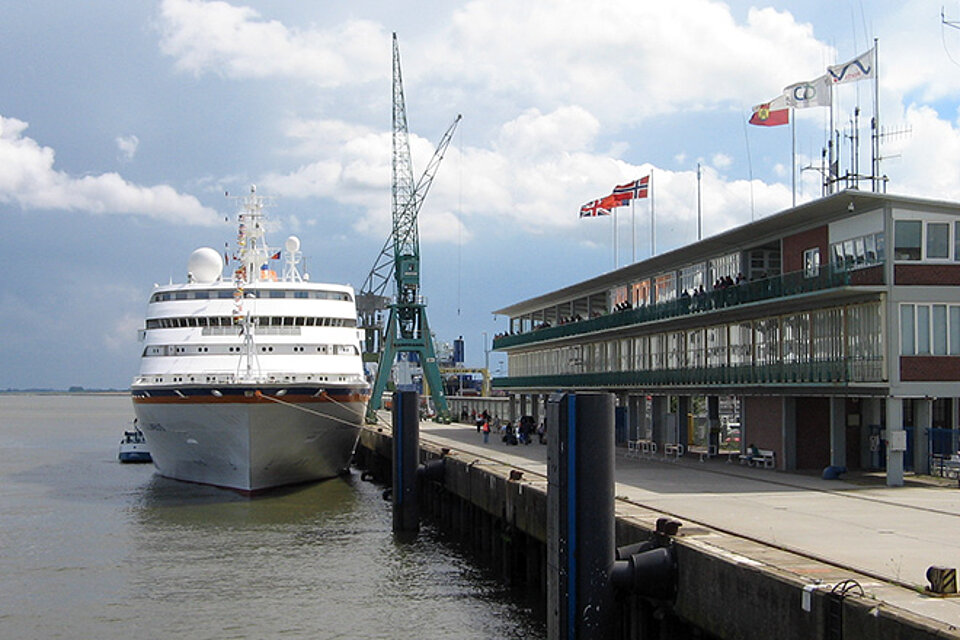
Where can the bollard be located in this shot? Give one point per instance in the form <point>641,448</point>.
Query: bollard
<point>406,453</point>
<point>583,566</point>
<point>580,521</point>
<point>943,580</point>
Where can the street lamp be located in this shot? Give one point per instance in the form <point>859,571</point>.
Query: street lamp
<point>486,354</point>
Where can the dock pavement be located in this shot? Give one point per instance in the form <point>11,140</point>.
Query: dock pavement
<point>883,537</point>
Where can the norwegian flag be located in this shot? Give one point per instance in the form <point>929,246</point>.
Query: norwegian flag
<point>637,189</point>
<point>593,209</point>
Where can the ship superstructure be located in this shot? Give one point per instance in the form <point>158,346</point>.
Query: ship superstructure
<point>255,380</point>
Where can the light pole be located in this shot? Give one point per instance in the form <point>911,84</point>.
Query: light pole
<point>486,354</point>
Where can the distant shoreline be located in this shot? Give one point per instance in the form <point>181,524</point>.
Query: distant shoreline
<point>64,392</point>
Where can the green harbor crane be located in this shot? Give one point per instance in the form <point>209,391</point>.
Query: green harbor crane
<point>407,330</point>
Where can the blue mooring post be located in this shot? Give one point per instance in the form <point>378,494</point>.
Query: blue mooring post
<point>406,452</point>
<point>580,523</point>
<point>584,567</point>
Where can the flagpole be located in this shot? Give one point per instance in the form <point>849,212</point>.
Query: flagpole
<point>633,229</point>
<point>653,221</point>
<point>615,261</point>
<point>876,117</point>
<point>793,153</point>
<point>699,213</point>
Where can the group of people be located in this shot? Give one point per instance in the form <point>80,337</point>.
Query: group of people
<point>726,281</point>
<point>723,282</point>
<point>521,433</point>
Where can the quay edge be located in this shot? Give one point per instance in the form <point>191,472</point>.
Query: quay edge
<point>730,588</point>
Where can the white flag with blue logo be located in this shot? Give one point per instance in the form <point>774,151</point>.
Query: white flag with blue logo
<point>863,67</point>
<point>815,93</point>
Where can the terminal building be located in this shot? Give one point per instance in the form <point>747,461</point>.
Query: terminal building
<point>830,332</point>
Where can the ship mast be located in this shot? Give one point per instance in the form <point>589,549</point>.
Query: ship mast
<point>252,254</point>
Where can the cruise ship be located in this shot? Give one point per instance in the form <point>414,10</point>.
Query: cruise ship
<point>250,380</point>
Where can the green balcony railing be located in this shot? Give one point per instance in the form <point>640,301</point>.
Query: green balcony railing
<point>788,284</point>
<point>835,372</point>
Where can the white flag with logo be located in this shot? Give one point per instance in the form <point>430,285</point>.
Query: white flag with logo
<point>860,68</point>
<point>815,93</point>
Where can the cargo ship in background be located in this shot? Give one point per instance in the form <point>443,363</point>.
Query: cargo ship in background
<point>254,381</point>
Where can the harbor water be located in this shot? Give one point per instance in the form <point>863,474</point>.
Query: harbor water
<point>91,548</point>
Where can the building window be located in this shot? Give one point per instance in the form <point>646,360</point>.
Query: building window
<point>641,293</point>
<point>954,331</point>
<point>923,329</point>
<point>811,262</point>
<point>938,241</point>
<point>929,329</point>
<point>665,287</point>
<point>939,318</point>
<point>956,241</point>
<point>691,278</point>
<point>906,239</point>
<point>854,253</point>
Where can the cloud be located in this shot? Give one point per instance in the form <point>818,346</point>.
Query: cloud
<point>127,146</point>
<point>651,62</point>
<point>216,37</point>
<point>28,179</point>
<point>721,161</point>
<point>553,87</point>
<point>539,169</point>
<point>924,160</point>
<point>549,54</point>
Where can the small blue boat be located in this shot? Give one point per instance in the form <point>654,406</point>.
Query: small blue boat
<point>133,446</point>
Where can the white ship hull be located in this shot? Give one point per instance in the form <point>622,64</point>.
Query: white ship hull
<point>243,440</point>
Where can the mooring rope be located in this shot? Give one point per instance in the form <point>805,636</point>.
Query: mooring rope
<point>352,425</point>
<point>347,408</point>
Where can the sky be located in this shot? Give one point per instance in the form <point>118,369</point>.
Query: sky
<point>123,125</point>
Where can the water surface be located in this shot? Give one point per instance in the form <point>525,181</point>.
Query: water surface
<point>91,548</point>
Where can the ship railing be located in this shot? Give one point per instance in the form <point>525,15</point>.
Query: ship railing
<point>233,379</point>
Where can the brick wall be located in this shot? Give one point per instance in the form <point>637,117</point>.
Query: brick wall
<point>929,274</point>
<point>867,275</point>
<point>813,433</point>
<point>764,420</point>
<point>938,368</point>
<point>792,248</point>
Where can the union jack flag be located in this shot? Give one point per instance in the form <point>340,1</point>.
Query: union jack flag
<point>637,189</point>
<point>593,209</point>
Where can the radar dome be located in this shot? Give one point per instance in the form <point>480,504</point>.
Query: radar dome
<point>292,244</point>
<point>205,265</point>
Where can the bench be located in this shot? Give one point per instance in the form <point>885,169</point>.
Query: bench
<point>638,448</point>
<point>672,451</point>
<point>947,467</point>
<point>648,448</point>
<point>710,452</point>
<point>765,457</point>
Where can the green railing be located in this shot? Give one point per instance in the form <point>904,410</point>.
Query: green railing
<point>817,373</point>
<point>788,284</point>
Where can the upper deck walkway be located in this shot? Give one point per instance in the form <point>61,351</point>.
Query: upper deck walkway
<point>858,528</point>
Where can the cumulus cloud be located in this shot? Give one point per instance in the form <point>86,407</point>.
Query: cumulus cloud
<point>721,161</point>
<point>652,62</point>
<point>217,37</point>
<point>540,168</point>
<point>549,53</point>
<point>127,146</point>
<point>28,179</point>
<point>553,85</point>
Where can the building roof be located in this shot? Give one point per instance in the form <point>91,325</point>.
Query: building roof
<point>771,228</point>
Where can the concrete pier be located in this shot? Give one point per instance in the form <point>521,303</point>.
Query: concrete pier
<point>761,554</point>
